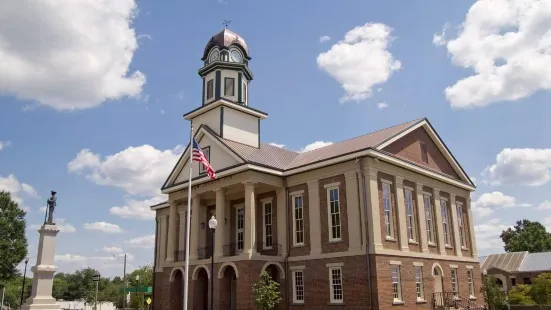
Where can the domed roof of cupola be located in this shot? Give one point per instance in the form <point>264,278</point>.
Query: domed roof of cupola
<point>223,40</point>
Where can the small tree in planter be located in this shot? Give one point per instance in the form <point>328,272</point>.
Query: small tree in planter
<point>493,296</point>
<point>266,293</point>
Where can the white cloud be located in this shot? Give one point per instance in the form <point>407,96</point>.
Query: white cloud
<point>61,224</point>
<point>138,170</point>
<point>17,190</point>
<point>530,167</point>
<point>507,44</point>
<point>315,145</point>
<point>277,144</point>
<point>547,223</point>
<point>146,242</point>
<point>4,144</point>
<point>361,60</point>
<point>113,250</point>
<point>487,235</point>
<point>382,105</point>
<point>107,228</point>
<point>70,262</point>
<point>68,54</point>
<point>137,209</point>
<point>324,39</point>
<point>488,202</point>
<point>440,39</point>
<point>546,205</point>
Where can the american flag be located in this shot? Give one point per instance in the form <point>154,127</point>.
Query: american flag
<point>200,157</point>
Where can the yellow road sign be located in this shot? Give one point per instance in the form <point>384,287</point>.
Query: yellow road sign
<point>148,301</point>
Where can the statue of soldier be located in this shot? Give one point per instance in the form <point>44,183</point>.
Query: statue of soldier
<point>50,209</point>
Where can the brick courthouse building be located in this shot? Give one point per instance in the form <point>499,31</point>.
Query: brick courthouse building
<point>375,222</point>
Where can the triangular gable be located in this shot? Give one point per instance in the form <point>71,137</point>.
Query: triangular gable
<point>220,157</point>
<point>406,144</point>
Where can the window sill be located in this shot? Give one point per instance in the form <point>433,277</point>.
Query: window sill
<point>421,301</point>
<point>298,246</point>
<point>336,303</point>
<point>398,303</point>
<point>449,247</point>
<point>432,244</point>
<point>335,241</point>
<point>464,248</point>
<point>413,242</point>
<point>472,298</point>
<point>390,239</point>
<point>298,304</point>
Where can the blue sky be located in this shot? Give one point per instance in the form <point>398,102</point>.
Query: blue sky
<point>92,98</point>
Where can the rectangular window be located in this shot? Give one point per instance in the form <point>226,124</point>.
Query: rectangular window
<point>298,287</point>
<point>267,217</point>
<point>419,283</point>
<point>462,238</point>
<point>513,282</point>
<point>334,213</point>
<point>396,285</point>
<point>298,218</point>
<point>240,231</point>
<point>388,210</point>
<point>410,217</point>
<point>445,222</point>
<point>470,281</point>
<point>424,154</point>
<point>206,151</point>
<point>455,285</point>
<point>335,278</point>
<point>210,89</point>
<point>229,86</point>
<point>428,218</point>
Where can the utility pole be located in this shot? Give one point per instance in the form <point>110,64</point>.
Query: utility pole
<point>125,284</point>
<point>96,279</point>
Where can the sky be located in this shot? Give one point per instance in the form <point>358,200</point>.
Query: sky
<point>93,93</point>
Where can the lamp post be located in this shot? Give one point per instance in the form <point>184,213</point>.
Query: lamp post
<point>23,286</point>
<point>125,283</point>
<point>212,225</point>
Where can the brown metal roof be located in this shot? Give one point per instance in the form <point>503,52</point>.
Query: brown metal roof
<point>267,155</point>
<point>224,39</point>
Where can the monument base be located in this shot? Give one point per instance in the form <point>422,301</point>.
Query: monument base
<point>41,294</point>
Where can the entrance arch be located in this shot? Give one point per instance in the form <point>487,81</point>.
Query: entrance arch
<point>227,286</point>
<point>200,288</point>
<point>438,279</point>
<point>277,273</point>
<point>177,289</point>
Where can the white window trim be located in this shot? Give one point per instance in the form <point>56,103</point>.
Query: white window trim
<point>329,265</point>
<point>413,224</point>
<point>456,282</point>
<point>293,196</point>
<point>294,272</point>
<point>264,202</point>
<point>395,263</point>
<point>388,234</point>
<point>331,295</point>
<point>237,208</point>
<point>386,181</point>
<point>334,184</point>
<point>446,228</point>
<point>329,221</point>
<point>470,284</point>
<point>429,228</point>
<point>400,298</point>
<point>422,290</point>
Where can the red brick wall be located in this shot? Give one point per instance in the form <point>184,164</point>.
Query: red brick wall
<point>409,147</point>
<point>326,245</point>
<point>305,249</point>
<point>388,244</point>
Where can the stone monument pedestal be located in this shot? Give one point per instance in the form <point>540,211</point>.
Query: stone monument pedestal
<point>43,280</point>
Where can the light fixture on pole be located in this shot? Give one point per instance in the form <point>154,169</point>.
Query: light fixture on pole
<point>212,225</point>
<point>23,285</point>
<point>96,279</point>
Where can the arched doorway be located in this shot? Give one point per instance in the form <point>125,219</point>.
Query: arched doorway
<point>438,279</point>
<point>276,272</point>
<point>227,296</point>
<point>201,290</point>
<point>177,290</point>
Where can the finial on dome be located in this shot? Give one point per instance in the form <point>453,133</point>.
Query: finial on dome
<point>226,23</point>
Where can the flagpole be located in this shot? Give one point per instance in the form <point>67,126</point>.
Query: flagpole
<point>188,220</point>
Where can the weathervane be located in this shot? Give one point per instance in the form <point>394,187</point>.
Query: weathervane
<point>226,23</point>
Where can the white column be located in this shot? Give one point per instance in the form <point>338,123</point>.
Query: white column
<point>314,219</point>
<point>194,229</point>
<point>373,214</point>
<point>455,223</point>
<point>424,243</point>
<point>220,215</point>
<point>438,219</point>
<point>353,212</point>
<point>472,237</point>
<point>282,220</point>
<point>172,222</point>
<point>401,210</point>
<point>250,220</point>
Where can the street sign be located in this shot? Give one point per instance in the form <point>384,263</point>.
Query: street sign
<point>96,278</point>
<point>148,301</point>
<point>139,289</point>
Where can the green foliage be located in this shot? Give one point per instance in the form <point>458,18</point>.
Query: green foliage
<point>526,236</point>
<point>493,296</point>
<point>265,292</point>
<point>541,289</point>
<point>13,243</point>
<point>13,290</point>
<point>520,295</point>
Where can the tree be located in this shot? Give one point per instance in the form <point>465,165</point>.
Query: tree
<point>13,243</point>
<point>541,289</point>
<point>493,296</point>
<point>521,295</point>
<point>265,292</point>
<point>526,236</point>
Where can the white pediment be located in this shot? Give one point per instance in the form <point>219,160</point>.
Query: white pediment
<point>221,157</point>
